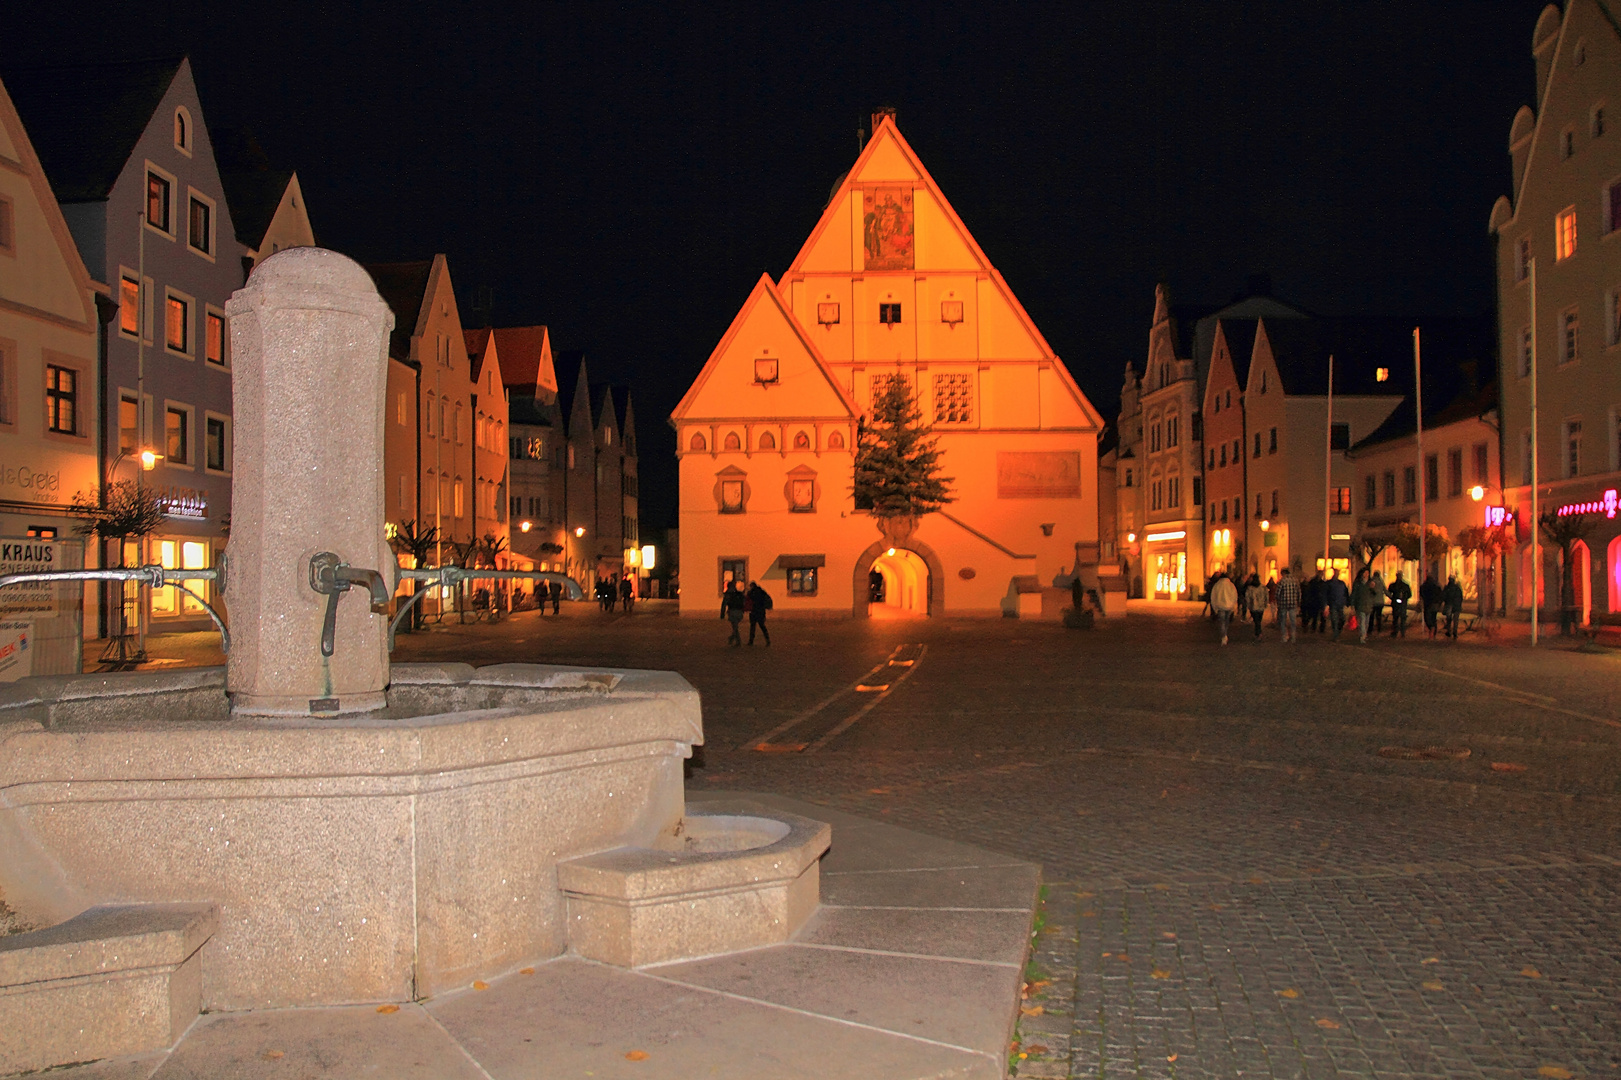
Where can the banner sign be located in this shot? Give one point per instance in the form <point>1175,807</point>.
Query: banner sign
<point>41,624</point>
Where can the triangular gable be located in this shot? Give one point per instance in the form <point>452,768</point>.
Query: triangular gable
<point>1223,369</point>
<point>53,283</point>
<point>526,360</point>
<point>765,328</point>
<point>887,156</point>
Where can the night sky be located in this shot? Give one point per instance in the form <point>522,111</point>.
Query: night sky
<point>625,174</point>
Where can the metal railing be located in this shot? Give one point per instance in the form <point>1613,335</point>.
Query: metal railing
<point>450,576</point>
<point>158,577</point>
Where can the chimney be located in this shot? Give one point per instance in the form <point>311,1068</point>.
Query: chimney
<point>878,115</point>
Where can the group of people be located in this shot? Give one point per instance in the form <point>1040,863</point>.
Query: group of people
<point>616,590</point>
<point>1321,603</point>
<point>753,602</point>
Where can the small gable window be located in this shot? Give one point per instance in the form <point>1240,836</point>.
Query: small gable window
<point>732,441</point>
<point>768,441</point>
<point>698,442</point>
<point>765,370</point>
<point>801,441</point>
<point>827,314</point>
<point>950,312</point>
<point>182,130</point>
<point>835,441</point>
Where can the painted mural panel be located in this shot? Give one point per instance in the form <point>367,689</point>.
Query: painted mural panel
<point>1038,474</point>
<point>887,228</point>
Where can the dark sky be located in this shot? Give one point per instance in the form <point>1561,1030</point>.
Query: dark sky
<point>624,174</point>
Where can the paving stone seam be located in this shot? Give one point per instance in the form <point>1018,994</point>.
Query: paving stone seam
<point>906,955</point>
<point>928,869</point>
<point>457,1043</point>
<point>644,973</point>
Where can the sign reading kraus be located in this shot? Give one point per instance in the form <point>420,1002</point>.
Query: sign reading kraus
<point>41,624</point>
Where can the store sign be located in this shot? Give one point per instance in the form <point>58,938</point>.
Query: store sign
<point>35,485</point>
<point>1498,515</point>
<point>181,502</point>
<point>1605,506</point>
<point>41,624</point>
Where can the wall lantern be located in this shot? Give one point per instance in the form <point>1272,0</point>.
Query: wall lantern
<point>525,527</point>
<point>579,530</point>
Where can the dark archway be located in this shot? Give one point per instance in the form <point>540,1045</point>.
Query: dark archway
<point>937,575</point>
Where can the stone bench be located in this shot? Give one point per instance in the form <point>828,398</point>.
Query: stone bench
<point>114,980</point>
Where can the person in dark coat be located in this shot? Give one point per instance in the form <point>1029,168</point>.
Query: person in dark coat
<point>627,594</point>
<point>1311,603</point>
<point>732,606</point>
<point>759,602</point>
<point>1452,605</point>
<point>1337,596</point>
<point>1400,593</point>
<point>1429,598</point>
<point>554,593</point>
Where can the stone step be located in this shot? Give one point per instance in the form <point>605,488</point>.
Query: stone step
<point>719,884</point>
<point>113,980</point>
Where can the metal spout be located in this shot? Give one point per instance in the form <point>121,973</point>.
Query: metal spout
<point>332,577</point>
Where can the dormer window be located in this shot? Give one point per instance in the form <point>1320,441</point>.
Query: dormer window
<point>182,131</point>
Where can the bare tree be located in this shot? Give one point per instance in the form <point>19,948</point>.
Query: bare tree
<point>418,542</point>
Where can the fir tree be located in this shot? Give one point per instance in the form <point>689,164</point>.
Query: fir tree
<point>897,460</point>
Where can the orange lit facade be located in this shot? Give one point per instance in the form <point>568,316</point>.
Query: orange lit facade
<point>889,285</point>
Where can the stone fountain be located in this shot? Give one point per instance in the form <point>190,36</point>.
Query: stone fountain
<point>313,825</point>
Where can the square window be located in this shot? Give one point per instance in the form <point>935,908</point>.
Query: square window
<point>765,370</point>
<point>177,435</point>
<point>199,233</point>
<point>953,399</point>
<point>951,311</point>
<point>217,444</point>
<point>1339,437</point>
<point>215,343</point>
<point>1565,234</point>
<point>61,400</point>
<point>177,324</point>
<point>889,314</point>
<point>827,314</point>
<point>802,581</point>
<point>129,305</point>
<point>157,202</point>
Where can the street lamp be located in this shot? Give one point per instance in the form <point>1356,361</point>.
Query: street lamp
<point>579,530</point>
<point>526,526</point>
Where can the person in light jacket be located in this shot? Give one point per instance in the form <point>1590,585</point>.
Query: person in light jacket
<point>1255,601</point>
<point>1362,604</point>
<point>1224,602</point>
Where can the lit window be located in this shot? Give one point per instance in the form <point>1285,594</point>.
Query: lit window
<point>61,400</point>
<point>157,201</point>
<point>458,493</point>
<point>1565,233</point>
<point>214,343</point>
<point>176,324</point>
<point>128,421</point>
<point>177,436</point>
<point>1381,374</point>
<point>953,399</point>
<point>803,493</point>
<point>889,314</point>
<point>198,235</point>
<point>129,305</point>
<point>1572,336</point>
<point>216,443</point>
<point>802,581</point>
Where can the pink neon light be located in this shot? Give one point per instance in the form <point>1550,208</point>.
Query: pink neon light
<point>1498,515</point>
<point>1606,506</point>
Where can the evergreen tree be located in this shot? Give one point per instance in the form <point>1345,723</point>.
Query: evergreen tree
<point>897,460</point>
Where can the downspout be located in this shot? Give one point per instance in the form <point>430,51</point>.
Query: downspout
<point>106,312</point>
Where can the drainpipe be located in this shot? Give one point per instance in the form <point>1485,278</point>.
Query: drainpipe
<point>106,312</point>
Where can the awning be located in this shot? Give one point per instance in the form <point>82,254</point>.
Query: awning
<point>801,562</point>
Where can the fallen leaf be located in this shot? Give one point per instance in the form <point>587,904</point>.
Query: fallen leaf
<point>480,984</point>
<point>1431,960</point>
<point>1108,954</point>
<point>275,1055</point>
<point>526,971</point>
<point>1032,1010</point>
<point>1023,1056</point>
<point>1530,972</point>
<point>1170,1057</point>
<point>1161,886</point>
<point>1215,907</point>
<point>878,791</point>
<point>1160,973</point>
<point>388,1008</point>
<point>1123,958</point>
<point>1432,985</point>
<point>1328,1025</point>
<point>1257,881</point>
<point>1168,936</point>
<point>1291,992</point>
<point>636,1055</point>
<point>1555,1072</point>
<point>1037,985</point>
<point>1507,766</point>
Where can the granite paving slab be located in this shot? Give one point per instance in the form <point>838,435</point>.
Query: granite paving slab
<point>992,936</point>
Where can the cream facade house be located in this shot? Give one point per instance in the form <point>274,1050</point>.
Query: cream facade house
<point>889,285</point>
<point>1564,215</point>
<point>49,341</point>
<point>489,404</point>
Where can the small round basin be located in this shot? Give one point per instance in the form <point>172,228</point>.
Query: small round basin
<point>706,833</point>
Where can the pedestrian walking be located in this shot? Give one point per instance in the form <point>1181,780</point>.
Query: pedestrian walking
<point>1362,604</point>
<point>1429,599</point>
<point>759,602</point>
<point>732,605</point>
<point>1377,584</point>
<point>1312,602</point>
<point>1337,596</point>
<point>554,593</point>
<point>1400,594</point>
<point>1288,604</point>
<point>1452,605</point>
<point>1224,602</point>
<point>1255,601</point>
<point>627,594</point>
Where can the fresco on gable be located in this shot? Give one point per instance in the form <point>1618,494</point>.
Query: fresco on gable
<point>887,228</point>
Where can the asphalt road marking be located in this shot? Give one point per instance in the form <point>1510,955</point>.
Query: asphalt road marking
<point>880,682</point>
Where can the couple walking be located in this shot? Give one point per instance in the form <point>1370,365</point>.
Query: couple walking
<point>754,603</point>
<point>1224,601</point>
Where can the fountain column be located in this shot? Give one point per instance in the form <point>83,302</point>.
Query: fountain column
<point>309,337</point>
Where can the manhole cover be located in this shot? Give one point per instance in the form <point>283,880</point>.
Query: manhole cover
<point>1424,753</point>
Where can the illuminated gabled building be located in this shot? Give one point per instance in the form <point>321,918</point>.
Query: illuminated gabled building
<point>889,285</point>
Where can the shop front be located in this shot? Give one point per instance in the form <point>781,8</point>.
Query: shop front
<point>1165,559</point>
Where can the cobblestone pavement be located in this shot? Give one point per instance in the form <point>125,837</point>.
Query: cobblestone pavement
<point>1239,884</point>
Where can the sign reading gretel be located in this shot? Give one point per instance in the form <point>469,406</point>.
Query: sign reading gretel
<point>41,484</point>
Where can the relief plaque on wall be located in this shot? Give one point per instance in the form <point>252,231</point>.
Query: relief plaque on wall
<point>1038,474</point>
<point>886,227</point>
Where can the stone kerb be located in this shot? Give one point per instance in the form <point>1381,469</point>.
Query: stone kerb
<point>309,340</point>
